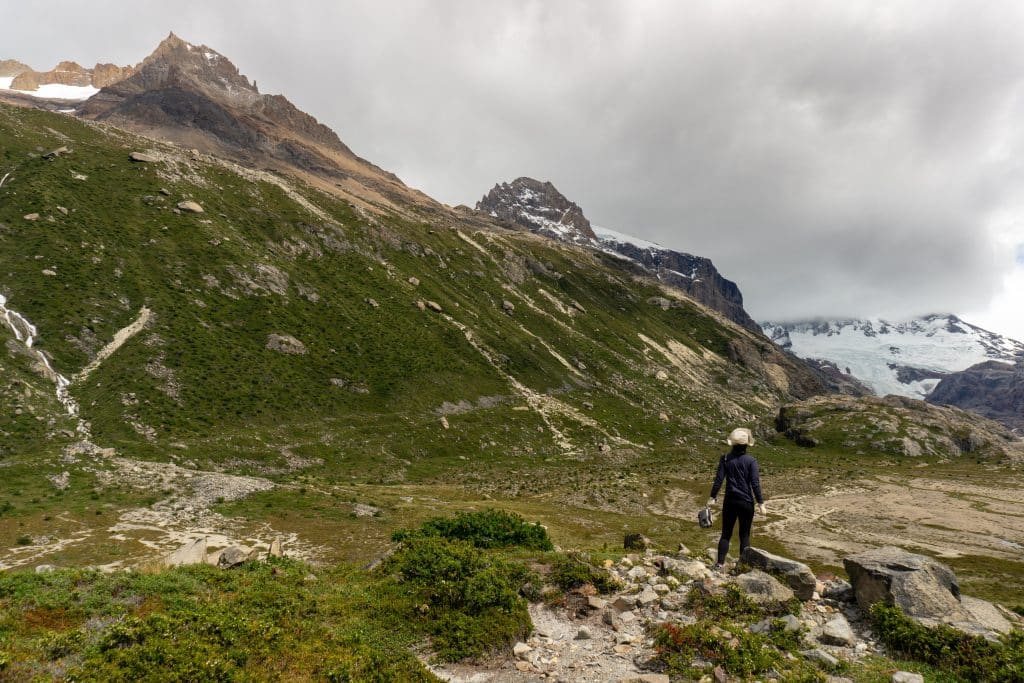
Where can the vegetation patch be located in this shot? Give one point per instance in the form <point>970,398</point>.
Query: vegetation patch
<point>487,529</point>
<point>965,657</point>
<point>573,571</point>
<point>733,604</point>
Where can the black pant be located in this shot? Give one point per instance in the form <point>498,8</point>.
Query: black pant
<point>732,511</point>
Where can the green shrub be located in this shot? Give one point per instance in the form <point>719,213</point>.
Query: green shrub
<point>24,540</point>
<point>740,654</point>
<point>971,658</point>
<point>486,529</point>
<point>470,599</point>
<point>569,571</point>
<point>734,604</point>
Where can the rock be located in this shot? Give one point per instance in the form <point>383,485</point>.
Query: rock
<point>837,631</point>
<point>840,591</point>
<point>165,192</point>
<point>190,206</point>
<point>584,633</point>
<point>414,281</point>
<point>719,674</point>
<point>925,589</point>
<point>444,422</point>
<point>275,549</point>
<point>420,305</point>
<point>507,306</point>
<point>521,649</point>
<point>45,568</point>
<point>907,677</point>
<point>637,573</point>
<point>646,597</point>
<point>144,158</point>
<point>762,587</point>
<point>31,216</point>
<point>53,154</point>
<point>234,556</point>
<point>49,272</point>
<point>646,678</point>
<point>193,552</point>
<point>434,306</point>
<point>663,417</point>
<point>524,667</point>
<point>594,602</point>
<point>820,657</point>
<point>661,589</point>
<point>372,303</point>
<point>287,344</point>
<point>791,623</point>
<point>796,575</point>
<point>623,604</point>
<point>660,301</point>
<point>661,375</point>
<point>636,542</point>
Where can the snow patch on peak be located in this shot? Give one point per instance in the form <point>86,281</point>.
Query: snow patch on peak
<point>608,235</point>
<point>53,91</point>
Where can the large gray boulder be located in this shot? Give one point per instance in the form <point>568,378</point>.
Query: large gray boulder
<point>193,552</point>
<point>925,589</point>
<point>796,575</point>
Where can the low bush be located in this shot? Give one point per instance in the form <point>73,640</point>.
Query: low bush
<point>734,604</point>
<point>970,658</point>
<point>573,571</point>
<point>471,601</point>
<point>485,529</point>
<point>740,654</point>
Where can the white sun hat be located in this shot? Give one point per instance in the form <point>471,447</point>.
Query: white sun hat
<point>741,436</point>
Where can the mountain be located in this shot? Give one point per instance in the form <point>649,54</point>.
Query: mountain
<point>541,208</point>
<point>66,81</point>
<point>904,358</point>
<point>993,388</point>
<point>194,96</point>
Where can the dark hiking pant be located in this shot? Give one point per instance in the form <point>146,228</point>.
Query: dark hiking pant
<point>731,513</point>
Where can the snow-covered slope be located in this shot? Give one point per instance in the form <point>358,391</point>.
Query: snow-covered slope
<point>906,358</point>
<point>53,91</point>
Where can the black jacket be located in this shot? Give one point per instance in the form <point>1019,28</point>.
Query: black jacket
<point>740,471</point>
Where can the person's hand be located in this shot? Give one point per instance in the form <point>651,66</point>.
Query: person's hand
<point>762,509</point>
<point>711,501</point>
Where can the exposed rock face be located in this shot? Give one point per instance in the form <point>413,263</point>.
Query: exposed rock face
<point>894,425</point>
<point>797,575</point>
<point>12,67</point>
<point>926,590</point>
<point>992,389</point>
<point>541,208</point>
<point>762,587</point>
<point>538,207</point>
<point>193,552</point>
<point>65,73</point>
<point>287,344</point>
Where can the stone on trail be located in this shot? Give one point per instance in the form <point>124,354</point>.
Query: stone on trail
<point>193,552</point>
<point>762,587</point>
<point>820,657</point>
<point>796,575</point>
<point>837,631</point>
<point>521,649</point>
<point>275,549</point>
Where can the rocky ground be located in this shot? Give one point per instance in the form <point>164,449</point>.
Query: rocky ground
<point>607,638</point>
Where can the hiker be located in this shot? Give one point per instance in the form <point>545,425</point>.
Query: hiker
<point>743,486</point>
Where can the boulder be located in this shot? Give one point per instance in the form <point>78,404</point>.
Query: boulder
<point>234,556</point>
<point>646,678</point>
<point>144,158</point>
<point>837,631</point>
<point>796,575</point>
<point>275,549</point>
<point>820,657</point>
<point>193,552</point>
<point>925,589</point>
<point>434,306</point>
<point>31,216</point>
<point>54,153</point>
<point>285,343</point>
<point>763,587</point>
<point>907,677</point>
<point>636,542</point>
<point>190,206</point>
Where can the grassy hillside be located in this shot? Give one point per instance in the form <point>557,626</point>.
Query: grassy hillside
<point>550,382</point>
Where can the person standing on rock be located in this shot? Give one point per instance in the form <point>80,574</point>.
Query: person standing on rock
<point>738,469</point>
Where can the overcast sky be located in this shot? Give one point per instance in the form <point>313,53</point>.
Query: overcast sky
<point>834,158</point>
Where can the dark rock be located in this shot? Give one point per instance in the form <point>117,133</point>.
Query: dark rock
<point>636,542</point>
<point>992,389</point>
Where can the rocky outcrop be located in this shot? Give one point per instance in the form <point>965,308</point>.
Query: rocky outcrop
<point>798,576</point>
<point>993,389</point>
<point>894,425</point>
<point>286,344</point>
<point>193,552</point>
<point>925,589</point>
<point>538,207</point>
<point>65,73</point>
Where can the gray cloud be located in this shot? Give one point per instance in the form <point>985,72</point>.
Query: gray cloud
<point>834,158</point>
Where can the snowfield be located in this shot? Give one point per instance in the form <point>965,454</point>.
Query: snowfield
<point>872,350</point>
<point>53,91</point>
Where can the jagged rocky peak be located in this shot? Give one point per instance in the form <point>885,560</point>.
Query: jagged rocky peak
<point>540,207</point>
<point>12,67</point>
<point>74,81</point>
